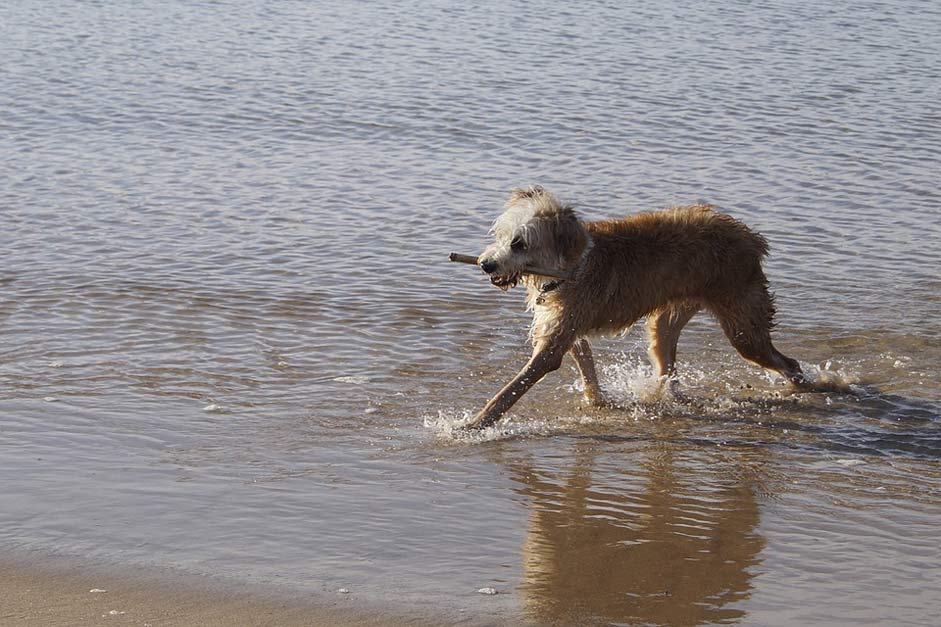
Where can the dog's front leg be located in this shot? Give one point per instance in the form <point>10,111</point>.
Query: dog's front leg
<point>547,357</point>
<point>581,351</point>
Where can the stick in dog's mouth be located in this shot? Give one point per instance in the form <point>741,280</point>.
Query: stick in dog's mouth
<point>508,281</point>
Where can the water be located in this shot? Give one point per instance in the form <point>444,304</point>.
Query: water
<point>232,344</point>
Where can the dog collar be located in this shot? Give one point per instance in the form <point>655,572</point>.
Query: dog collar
<point>545,289</point>
<point>551,286</point>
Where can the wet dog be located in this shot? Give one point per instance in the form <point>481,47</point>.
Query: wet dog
<point>665,266</point>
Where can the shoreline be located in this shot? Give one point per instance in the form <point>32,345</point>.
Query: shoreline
<point>40,591</point>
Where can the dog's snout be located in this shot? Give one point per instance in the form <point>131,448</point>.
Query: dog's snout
<point>488,265</point>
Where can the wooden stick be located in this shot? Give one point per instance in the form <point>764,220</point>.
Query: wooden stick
<point>555,274</point>
<point>463,258</point>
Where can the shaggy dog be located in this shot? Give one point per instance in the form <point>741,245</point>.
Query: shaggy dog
<point>664,265</point>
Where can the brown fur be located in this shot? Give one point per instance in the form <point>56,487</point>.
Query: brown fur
<point>664,265</point>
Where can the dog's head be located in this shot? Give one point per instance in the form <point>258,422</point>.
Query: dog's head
<point>535,230</point>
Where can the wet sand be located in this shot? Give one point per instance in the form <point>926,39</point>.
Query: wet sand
<point>51,595</point>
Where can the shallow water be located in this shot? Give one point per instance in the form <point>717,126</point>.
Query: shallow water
<point>232,344</point>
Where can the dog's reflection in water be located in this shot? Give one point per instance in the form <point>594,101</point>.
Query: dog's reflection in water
<point>657,544</point>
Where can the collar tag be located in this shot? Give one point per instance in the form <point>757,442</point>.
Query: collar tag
<point>545,289</point>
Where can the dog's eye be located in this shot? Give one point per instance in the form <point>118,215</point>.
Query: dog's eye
<point>518,245</point>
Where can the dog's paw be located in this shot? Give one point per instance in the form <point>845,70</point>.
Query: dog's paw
<point>600,402</point>
<point>674,394</point>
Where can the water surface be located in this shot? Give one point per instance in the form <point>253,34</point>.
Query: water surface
<point>231,344</point>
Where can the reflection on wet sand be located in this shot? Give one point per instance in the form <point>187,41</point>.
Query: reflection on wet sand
<point>655,537</point>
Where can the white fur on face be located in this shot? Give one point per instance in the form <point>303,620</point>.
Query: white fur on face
<point>517,221</point>
<point>530,216</point>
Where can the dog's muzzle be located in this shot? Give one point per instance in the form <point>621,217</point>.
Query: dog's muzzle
<point>503,282</point>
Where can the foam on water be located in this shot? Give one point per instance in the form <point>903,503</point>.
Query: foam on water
<point>825,378</point>
<point>450,427</point>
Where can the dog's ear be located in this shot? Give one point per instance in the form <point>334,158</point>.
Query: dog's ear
<point>570,235</point>
<point>533,191</point>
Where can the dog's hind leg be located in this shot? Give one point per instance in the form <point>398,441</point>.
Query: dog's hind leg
<point>581,352</point>
<point>747,321</point>
<point>547,357</point>
<point>663,332</point>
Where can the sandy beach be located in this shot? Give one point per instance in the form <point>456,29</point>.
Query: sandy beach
<point>51,595</point>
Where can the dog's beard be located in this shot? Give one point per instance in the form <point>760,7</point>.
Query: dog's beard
<point>505,282</point>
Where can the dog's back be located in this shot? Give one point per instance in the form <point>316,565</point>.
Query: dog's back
<point>647,261</point>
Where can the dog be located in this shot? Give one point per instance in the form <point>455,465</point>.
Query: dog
<point>665,266</point>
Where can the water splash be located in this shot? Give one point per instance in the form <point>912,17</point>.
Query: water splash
<point>826,378</point>
<point>452,427</point>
